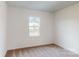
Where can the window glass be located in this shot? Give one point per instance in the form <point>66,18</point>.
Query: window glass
<point>34,26</point>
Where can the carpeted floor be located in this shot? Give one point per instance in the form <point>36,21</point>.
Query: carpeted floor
<point>41,51</point>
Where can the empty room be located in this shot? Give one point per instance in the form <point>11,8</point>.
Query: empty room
<point>39,29</point>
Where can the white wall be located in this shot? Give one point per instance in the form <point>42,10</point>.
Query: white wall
<point>18,35</point>
<point>3,29</point>
<point>67,28</point>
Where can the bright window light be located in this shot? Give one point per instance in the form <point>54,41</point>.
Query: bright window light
<point>34,26</point>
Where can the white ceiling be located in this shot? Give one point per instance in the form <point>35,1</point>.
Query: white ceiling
<point>49,6</point>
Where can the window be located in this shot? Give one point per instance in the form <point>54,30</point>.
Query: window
<point>34,26</point>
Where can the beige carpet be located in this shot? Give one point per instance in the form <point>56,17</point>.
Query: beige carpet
<point>41,51</point>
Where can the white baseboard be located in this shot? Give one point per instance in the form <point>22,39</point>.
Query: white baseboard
<point>33,45</point>
<point>70,49</point>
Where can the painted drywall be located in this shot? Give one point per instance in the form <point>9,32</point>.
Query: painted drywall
<point>67,28</point>
<point>3,28</point>
<point>18,34</point>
